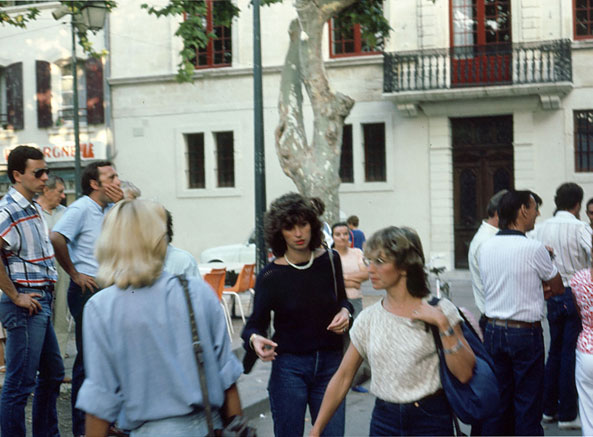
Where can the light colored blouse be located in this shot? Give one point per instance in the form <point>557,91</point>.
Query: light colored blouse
<point>139,360</point>
<point>582,289</point>
<point>351,263</point>
<point>401,352</point>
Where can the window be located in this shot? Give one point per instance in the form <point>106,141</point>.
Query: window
<point>225,159</point>
<point>345,39</point>
<point>203,172</point>
<point>346,158</point>
<point>219,51</point>
<point>67,83</point>
<point>583,19</point>
<point>374,152</point>
<point>583,140</point>
<point>195,160</point>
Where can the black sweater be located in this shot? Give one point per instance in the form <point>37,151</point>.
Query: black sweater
<point>304,304</point>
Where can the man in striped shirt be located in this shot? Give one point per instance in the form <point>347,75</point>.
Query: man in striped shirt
<point>570,240</point>
<point>27,280</point>
<point>512,268</point>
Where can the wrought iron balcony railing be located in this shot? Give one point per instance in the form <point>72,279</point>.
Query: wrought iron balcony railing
<point>473,66</point>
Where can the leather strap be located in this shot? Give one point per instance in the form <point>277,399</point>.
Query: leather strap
<point>199,356</point>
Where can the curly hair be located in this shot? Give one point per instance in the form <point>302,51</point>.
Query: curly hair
<point>403,246</point>
<point>285,212</point>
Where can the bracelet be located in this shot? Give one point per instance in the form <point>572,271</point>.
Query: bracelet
<point>454,349</point>
<point>448,333</point>
<point>251,337</point>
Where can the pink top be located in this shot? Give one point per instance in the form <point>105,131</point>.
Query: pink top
<point>351,263</point>
<point>582,289</point>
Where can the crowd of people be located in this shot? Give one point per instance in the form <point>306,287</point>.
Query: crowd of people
<point>153,356</point>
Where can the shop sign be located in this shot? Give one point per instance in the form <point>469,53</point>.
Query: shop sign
<point>65,152</point>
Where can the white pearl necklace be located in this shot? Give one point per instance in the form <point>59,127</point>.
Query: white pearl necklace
<point>305,267</point>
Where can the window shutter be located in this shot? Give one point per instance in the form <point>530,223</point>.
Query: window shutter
<point>94,91</point>
<point>14,95</point>
<point>42,70</point>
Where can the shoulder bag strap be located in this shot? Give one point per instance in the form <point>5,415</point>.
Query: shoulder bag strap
<point>199,355</point>
<point>330,254</point>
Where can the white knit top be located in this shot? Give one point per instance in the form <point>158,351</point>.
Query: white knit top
<point>401,352</point>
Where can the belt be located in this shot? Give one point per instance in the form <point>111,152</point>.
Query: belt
<point>48,288</point>
<point>507,323</point>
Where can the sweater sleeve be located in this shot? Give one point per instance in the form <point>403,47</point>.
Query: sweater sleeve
<point>259,321</point>
<point>341,289</point>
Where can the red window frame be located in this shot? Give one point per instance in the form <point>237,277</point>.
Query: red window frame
<point>587,10</point>
<point>488,59</point>
<point>356,42</point>
<point>217,49</point>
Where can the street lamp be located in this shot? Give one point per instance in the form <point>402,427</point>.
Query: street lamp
<point>91,17</point>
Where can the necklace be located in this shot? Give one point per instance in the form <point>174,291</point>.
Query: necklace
<point>305,267</point>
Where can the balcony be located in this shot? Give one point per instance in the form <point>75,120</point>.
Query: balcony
<point>505,70</point>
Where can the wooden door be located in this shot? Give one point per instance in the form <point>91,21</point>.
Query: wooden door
<point>481,44</point>
<point>482,166</point>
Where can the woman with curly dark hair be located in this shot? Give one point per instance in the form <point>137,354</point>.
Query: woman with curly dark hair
<point>311,314</point>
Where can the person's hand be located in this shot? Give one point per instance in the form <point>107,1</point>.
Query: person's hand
<point>85,282</point>
<point>114,192</point>
<point>430,314</point>
<point>264,348</point>
<point>547,290</point>
<point>27,301</point>
<point>340,323</point>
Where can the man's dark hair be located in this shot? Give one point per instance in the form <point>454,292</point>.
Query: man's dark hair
<point>568,195</point>
<point>353,220</point>
<point>91,173</point>
<point>510,204</point>
<point>286,212</point>
<point>318,205</point>
<point>493,203</point>
<point>17,159</point>
<point>589,202</point>
<point>169,225</point>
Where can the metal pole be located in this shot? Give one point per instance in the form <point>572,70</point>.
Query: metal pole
<point>259,153</point>
<point>75,115</point>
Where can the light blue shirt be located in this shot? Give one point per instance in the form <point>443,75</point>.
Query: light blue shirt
<point>81,225</point>
<point>180,262</point>
<point>139,359</point>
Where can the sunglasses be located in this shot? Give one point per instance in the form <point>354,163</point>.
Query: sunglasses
<point>377,262</point>
<point>40,172</point>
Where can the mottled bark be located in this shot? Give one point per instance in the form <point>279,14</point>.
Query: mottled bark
<point>312,165</point>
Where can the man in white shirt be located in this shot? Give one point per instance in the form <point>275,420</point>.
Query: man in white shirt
<point>488,229</point>
<point>178,261</point>
<point>570,238</point>
<point>512,268</point>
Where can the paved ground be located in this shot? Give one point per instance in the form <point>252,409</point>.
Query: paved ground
<point>252,387</point>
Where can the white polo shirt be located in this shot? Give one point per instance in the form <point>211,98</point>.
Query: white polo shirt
<point>485,232</point>
<point>512,268</point>
<point>571,240</point>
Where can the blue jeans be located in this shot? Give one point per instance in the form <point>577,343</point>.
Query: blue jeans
<point>560,391</point>
<point>518,355</point>
<point>428,416</point>
<point>31,347</point>
<point>300,380</point>
<point>76,303</point>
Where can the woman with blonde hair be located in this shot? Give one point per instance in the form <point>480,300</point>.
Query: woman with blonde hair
<point>140,364</point>
<point>392,335</point>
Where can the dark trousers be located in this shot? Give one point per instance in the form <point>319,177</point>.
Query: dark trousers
<point>518,356</point>
<point>76,301</point>
<point>560,392</point>
<point>427,416</point>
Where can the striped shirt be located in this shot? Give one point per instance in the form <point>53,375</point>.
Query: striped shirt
<point>27,254</point>
<point>512,268</point>
<point>571,240</point>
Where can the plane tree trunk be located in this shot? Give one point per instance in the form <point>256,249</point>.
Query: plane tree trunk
<point>312,165</point>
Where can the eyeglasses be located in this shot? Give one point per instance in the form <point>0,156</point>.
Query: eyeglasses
<point>377,262</point>
<point>40,172</point>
